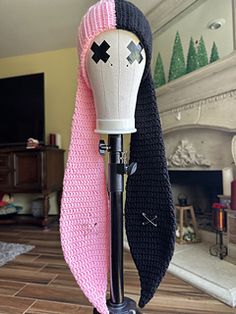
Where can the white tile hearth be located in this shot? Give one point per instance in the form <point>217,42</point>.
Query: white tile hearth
<point>195,265</point>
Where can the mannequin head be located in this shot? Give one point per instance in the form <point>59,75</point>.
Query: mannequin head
<point>115,64</point>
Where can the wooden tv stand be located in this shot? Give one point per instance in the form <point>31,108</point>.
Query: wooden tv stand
<point>39,170</point>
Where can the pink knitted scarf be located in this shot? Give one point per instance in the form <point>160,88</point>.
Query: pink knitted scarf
<point>84,222</point>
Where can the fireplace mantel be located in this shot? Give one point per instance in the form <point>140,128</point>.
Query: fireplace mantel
<point>205,98</point>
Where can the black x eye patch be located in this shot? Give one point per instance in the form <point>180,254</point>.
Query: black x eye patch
<point>135,52</point>
<point>100,52</point>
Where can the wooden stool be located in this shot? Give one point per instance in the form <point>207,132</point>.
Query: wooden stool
<point>183,217</point>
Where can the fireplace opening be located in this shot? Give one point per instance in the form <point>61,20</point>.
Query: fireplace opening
<point>201,189</point>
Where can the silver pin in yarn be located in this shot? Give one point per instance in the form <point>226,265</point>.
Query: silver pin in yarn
<point>149,221</point>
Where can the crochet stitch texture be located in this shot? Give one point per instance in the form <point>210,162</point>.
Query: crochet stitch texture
<point>148,190</point>
<point>84,221</point>
<point>150,220</point>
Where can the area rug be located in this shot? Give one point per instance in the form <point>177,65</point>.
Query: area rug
<point>194,264</point>
<point>8,251</point>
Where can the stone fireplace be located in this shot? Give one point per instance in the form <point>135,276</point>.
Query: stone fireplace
<point>198,115</point>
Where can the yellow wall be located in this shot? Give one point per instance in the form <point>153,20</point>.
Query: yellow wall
<point>60,68</point>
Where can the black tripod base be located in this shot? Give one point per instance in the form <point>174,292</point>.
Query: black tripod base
<point>128,307</point>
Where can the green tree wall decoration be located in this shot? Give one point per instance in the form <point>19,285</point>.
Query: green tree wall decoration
<point>202,53</point>
<point>214,53</point>
<point>177,64</point>
<point>192,59</point>
<point>159,74</point>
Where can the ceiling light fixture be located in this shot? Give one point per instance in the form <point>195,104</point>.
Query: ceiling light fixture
<point>216,24</point>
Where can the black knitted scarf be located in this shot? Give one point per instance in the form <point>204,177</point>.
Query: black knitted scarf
<point>149,213</point>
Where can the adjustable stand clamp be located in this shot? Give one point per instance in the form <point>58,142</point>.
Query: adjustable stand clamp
<point>117,304</point>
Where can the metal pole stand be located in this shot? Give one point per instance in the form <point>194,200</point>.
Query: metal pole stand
<point>117,304</point>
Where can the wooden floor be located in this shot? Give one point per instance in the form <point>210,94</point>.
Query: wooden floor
<point>40,282</point>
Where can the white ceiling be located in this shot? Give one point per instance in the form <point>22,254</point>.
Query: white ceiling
<point>30,26</point>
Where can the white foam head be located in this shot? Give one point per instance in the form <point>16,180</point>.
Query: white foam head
<point>115,65</point>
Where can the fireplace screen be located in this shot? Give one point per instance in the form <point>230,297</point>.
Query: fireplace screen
<point>201,189</point>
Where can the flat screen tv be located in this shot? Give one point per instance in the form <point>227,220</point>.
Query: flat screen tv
<point>22,109</point>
